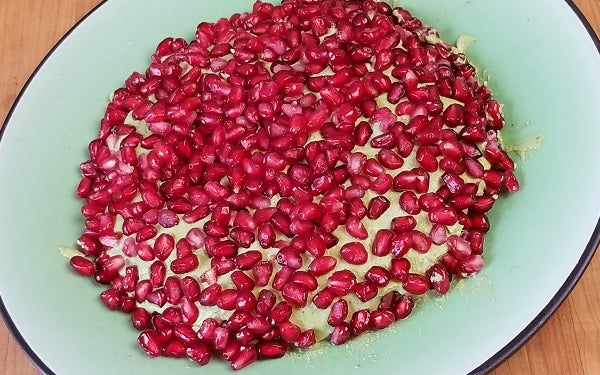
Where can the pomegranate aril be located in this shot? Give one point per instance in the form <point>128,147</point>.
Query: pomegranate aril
<point>261,272</point>
<point>199,353</point>
<point>227,299</point>
<point>272,350</point>
<point>305,279</point>
<point>149,341</point>
<point>340,334</point>
<point>403,307</point>
<point>356,228</point>
<point>399,269</point>
<point>289,331</point>
<point>341,282</point>
<point>377,206</point>
<point>295,294</point>
<point>242,281</point>
<point>439,278</point>
<point>82,265</point>
<point>265,302</point>
<point>111,299</point>
<point>140,319</point>
<point>381,319</point>
<point>471,265</point>
<point>306,339</point>
<point>365,291</point>
<point>378,275</point>
<point>210,295</point>
<point>354,253</point>
<point>280,313</point>
<point>247,260</point>
<point>244,357</point>
<point>416,284</point>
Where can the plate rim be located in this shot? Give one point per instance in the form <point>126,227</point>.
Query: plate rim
<point>490,364</point>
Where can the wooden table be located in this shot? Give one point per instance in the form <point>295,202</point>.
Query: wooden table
<point>569,344</point>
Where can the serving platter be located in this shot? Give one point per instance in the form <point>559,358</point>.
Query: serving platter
<point>541,241</point>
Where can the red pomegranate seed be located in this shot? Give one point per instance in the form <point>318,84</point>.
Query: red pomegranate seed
<point>438,234</point>
<point>354,253</point>
<point>245,356</point>
<point>209,296</point>
<point>272,350</point>
<point>403,224</point>
<point>163,246</point>
<point>280,313</point>
<point>265,302</point>
<point>111,299</point>
<point>261,272</point>
<point>227,299</point>
<point>140,319</point>
<point>356,228</point>
<point>409,203</point>
<point>247,260</point>
<point>306,339</point>
<point>289,331</point>
<point>324,298</point>
<point>341,282</point>
<point>377,206</point>
<point>149,341</point>
<point>443,215</point>
<point>219,338</point>
<point>416,284</point>
<point>173,290</point>
<point>199,353</point>
<point>459,247</point>
<point>207,329</point>
<point>399,269</point>
<point>289,257</point>
<point>381,319</point>
<point>378,276</point>
<point>242,281</point>
<point>403,307</point>
<point>382,244</point>
<point>439,278</point>
<point>338,313</point>
<point>185,265</point>
<point>420,242</point>
<point>305,279</point>
<point>471,265</point>
<point>83,266</point>
<point>295,294</point>
<point>340,334</point>
<point>365,291</point>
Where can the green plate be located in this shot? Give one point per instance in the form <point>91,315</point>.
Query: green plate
<point>542,64</point>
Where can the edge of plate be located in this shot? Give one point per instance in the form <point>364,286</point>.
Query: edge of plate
<point>35,359</point>
<point>560,296</point>
<point>485,367</point>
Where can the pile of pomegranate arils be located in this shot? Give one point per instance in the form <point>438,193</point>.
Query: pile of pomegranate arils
<point>301,172</point>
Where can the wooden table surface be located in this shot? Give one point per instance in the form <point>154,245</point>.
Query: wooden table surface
<point>568,344</point>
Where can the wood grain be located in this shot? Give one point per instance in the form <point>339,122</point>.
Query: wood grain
<point>569,343</point>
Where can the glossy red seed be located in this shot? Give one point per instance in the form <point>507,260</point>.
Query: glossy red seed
<point>340,334</point>
<point>381,319</point>
<point>403,307</point>
<point>341,282</point>
<point>82,265</point>
<point>199,353</point>
<point>378,276</point>
<point>272,350</point>
<point>416,284</point>
<point>354,253</point>
<point>149,341</point>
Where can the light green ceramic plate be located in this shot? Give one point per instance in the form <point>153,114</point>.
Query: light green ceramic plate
<point>543,65</point>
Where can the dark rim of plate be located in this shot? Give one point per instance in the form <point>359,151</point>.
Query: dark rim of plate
<point>493,362</point>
